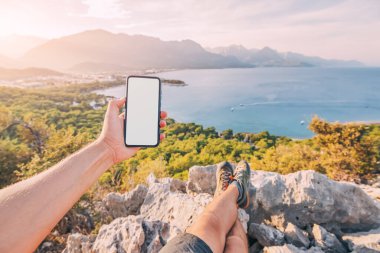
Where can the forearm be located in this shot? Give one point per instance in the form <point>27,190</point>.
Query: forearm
<point>31,208</point>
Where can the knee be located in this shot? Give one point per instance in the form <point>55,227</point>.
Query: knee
<point>214,223</point>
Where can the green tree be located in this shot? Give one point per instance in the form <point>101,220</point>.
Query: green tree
<point>12,154</point>
<point>61,143</point>
<point>227,134</point>
<point>345,153</point>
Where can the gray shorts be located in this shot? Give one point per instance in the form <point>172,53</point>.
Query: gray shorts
<point>186,243</point>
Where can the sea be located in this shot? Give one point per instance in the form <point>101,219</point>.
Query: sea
<point>279,100</point>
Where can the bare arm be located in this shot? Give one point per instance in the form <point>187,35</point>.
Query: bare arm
<point>30,209</point>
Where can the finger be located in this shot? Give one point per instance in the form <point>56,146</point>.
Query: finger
<point>121,116</point>
<point>162,136</point>
<point>162,123</point>
<point>163,114</point>
<point>120,102</point>
<point>117,102</point>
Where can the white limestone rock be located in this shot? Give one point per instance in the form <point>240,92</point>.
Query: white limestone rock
<point>122,205</point>
<point>202,179</point>
<point>326,240</point>
<point>288,202</point>
<point>303,198</point>
<point>364,241</point>
<point>243,218</point>
<point>176,208</point>
<point>296,236</point>
<point>266,235</point>
<point>373,192</point>
<point>78,243</point>
<point>157,234</point>
<point>151,179</point>
<point>307,197</point>
<point>121,235</point>
<point>132,234</point>
<point>176,185</point>
<point>288,248</point>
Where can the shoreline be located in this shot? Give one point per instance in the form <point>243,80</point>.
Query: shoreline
<point>361,122</point>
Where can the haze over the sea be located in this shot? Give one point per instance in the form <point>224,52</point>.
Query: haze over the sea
<point>333,29</point>
<point>279,100</point>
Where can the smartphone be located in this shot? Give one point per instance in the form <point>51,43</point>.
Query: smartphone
<point>142,112</point>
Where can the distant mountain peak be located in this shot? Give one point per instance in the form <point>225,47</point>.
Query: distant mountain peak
<point>269,57</point>
<point>100,31</point>
<point>95,31</point>
<point>95,50</point>
<point>268,49</point>
<point>98,49</point>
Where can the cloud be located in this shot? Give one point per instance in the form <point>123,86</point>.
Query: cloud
<point>345,29</point>
<point>110,9</point>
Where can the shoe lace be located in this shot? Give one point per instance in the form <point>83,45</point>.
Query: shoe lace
<point>226,178</point>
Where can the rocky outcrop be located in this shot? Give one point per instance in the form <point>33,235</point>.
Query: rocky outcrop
<point>288,248</point>
<point>176,185</point>
<point>78,243</point>
<point>178,209</point>
<point>372,191</point>
<point>364,241</point>
<point>327,241</point>
<point>266,235</point>
<point>131,234</point>
<point>296,236</point>
<point>305,198</point>
<point>299,212</point>
<point>75,222</point>
<point>202,179</point>
<point>122,205</point>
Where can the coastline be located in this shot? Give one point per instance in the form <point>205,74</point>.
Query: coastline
<point>256,116</point>
<point>368,123</point>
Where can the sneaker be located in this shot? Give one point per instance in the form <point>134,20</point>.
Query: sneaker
<point>242,176</point>
<point>224,176</point>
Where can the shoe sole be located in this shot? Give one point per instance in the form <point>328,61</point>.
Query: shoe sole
<point>248,202</point>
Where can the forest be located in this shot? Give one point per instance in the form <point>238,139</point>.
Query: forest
<point>41,126</point>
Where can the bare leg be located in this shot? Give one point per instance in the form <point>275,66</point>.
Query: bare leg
<point>213,224</point>
<point>236,239</point>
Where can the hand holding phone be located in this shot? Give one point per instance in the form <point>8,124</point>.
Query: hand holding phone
<point>142,112</point>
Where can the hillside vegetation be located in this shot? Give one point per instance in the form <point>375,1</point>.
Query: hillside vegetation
<point>13,74</point>
<point>41,126</point>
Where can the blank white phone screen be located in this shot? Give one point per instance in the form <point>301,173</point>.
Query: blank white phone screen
<point>142,112</point>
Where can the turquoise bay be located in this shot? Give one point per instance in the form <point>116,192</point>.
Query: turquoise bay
<point>279,100</point>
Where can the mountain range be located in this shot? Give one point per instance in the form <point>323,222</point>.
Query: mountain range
<point>267,57</point>
<point>13,74</point>
<point>99,50</point>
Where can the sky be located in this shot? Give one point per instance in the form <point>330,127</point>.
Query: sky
<point>340,29</point>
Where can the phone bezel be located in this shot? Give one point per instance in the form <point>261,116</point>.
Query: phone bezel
<point>158,113</point>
